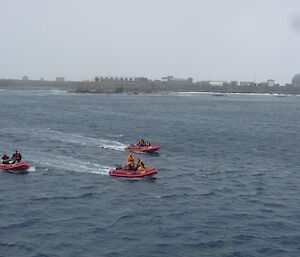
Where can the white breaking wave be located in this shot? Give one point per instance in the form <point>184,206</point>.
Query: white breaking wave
<point>55,92</point>
<point>192,93</point>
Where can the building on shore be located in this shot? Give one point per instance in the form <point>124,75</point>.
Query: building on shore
<point>231,83</point>
<point>296,80</point>
<point>218,83</point>
<point>114,79</point>
<point>25,78</point>
<point>141,79</point>
<point>270,82</point>
<point>60,79</point>
<point>247,83</point>
<point>171,80</point>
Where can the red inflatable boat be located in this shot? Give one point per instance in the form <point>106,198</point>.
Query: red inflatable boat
<point>148,172</point>
<point>143,149</point>
<point>16,167</point>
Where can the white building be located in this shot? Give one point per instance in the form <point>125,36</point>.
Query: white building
<point>218,83</point>
<point>60,79</point>
<point>270,82</point>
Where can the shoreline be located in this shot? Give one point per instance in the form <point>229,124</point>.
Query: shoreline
<point>146,87</point>
<point>160,93</point>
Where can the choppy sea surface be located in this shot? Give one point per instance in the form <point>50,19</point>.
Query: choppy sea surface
<point>228,181</point>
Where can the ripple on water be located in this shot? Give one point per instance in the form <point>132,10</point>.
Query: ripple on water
<point>227,182</point>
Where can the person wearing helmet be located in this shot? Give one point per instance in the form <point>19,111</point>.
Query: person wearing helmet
<point>130,162</point>
<point>17,157</point>
<point>141,142</point>
<point>5,159</point>
<point>140,165</point>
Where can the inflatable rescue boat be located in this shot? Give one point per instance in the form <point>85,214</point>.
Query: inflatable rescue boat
<point>20,167</point>
<point>143,149</point>
<point>147,172</point>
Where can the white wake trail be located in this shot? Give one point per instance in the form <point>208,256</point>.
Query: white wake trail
<point>67,163</point>
<point>79,139</point>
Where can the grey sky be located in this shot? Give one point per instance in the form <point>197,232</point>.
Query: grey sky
<point>202,39</point>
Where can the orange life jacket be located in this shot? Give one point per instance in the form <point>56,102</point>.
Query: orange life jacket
<point>130,159</point>
<point>141,165</point>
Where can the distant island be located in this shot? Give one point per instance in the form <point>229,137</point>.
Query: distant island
<point>144,85</point>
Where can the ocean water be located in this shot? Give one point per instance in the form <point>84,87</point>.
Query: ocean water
<point>228,181</point>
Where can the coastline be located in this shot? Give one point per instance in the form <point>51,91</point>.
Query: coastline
<point>146,87</point>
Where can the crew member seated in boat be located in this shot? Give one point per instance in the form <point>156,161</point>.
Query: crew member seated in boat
<point>140,165</point>
<point>141,142</point>
<point>17,157</point>
<point>148,144</point>
<point>130,159</point>
<point>5,159</point>
<point>130,162</point>
<point>130,166</point>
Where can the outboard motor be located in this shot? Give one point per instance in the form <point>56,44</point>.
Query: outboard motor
<point>119,167</point>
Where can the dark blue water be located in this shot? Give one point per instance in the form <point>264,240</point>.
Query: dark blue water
<point>228,181</point>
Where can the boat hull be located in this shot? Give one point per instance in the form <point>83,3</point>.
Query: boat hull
<point>148,172</point>
<point>20,167</point>
<point>143,149</point>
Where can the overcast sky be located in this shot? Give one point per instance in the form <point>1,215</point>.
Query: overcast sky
<point>203,39</point>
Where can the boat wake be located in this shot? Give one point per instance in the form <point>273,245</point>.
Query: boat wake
<point>32,169</point>
<point>67,163</point>
<point>83,140</point>
<point>112,145</point>
<point>62,160</point>
<point>52,135</point>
